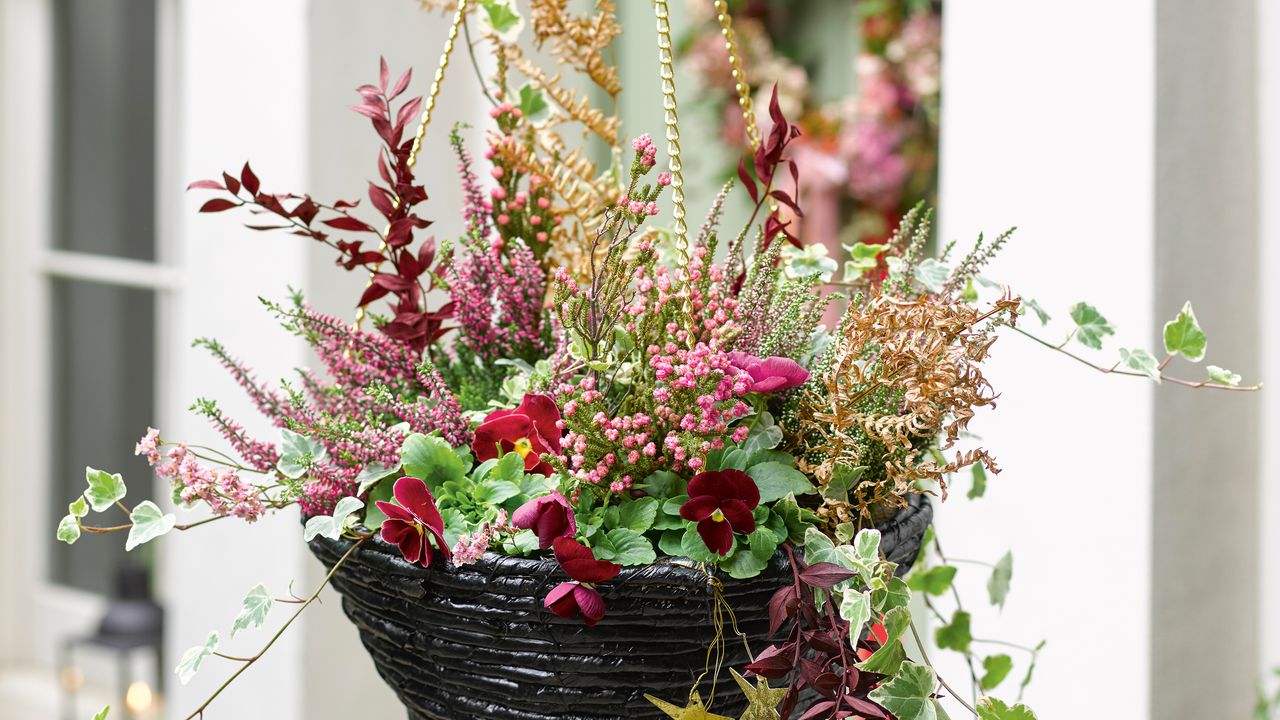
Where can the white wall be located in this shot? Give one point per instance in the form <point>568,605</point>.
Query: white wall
<point>1269,269</point>
<point>1044,130</point>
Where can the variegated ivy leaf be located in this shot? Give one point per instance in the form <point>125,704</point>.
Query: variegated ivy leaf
<point>1141,361</point>
<point>298,453</point>
<point>1183,336</point>
<point>1035,307</point>
<point>149,523</point>
<point>934,581</point>
<point>1222,376</point>
<point>105,489</point>
<point>191,660</point>
<point>932,274</point>
<point>69,529</point>
<point>502,18</point>
<point>990,708</point>
<point>909,694</point>
<point>533,105</point>
<point>79,507</point>
<point>372,473</point>
<point>866,546</point>
<point>1001,575</point>
<point>979,486</point>
<point>855,607</point>
<point>891,654</point>
<point>332,526</point>
<point>254,609</point>
<point>1091,327</point>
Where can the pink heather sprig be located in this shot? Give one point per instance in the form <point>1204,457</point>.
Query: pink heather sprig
<point>446,413</point>
<point>353,357</point>
<point>475,209</point>
<point>519,210</point>
<point>220,488</point>
<point>259,455</point>
<point>269,402</point>
<point>497,300</point>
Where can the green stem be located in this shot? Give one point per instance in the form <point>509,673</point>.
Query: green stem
<point>941,681</point>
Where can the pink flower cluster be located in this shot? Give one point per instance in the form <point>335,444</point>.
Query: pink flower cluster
<point>711,299</point>
<point>497,300</point>
<point>517,212</point>
<point>221,488</point>
<point>471,546</point>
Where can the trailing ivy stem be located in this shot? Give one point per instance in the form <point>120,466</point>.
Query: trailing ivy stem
<point>941,680</point>
<point>248,662</point>
<point>1005,643</point>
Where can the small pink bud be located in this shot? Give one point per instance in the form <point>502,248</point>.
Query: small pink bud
<point>652,208</point>
<point>664,178</point>
<point>503,219</point>
<point>497,171</point>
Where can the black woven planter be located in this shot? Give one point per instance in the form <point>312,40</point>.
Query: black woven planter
<point>475,642</point>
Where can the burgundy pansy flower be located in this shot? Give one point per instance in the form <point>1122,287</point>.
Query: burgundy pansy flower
<point>569,599</point>
<point>530,430</point>
<point>415,524</point>
<point>721,502</point>
<point>769,374</point>
<point>549,517</point>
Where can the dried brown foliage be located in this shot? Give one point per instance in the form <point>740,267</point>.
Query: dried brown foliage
<point>902,374</point>
<point>579,41</point>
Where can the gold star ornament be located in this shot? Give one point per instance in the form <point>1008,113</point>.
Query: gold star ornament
<point>695,710</point>
<point>762,699</point>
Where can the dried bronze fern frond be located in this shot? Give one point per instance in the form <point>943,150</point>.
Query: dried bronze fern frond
<point>579,41</point>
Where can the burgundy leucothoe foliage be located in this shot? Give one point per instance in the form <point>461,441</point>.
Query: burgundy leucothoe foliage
<point>815,653</point>
<point>397,269</point>
<point>768,157</point>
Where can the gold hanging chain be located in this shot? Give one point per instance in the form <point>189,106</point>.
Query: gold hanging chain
<point>739,78</point>
<point>672,119</point>
<point>459,16</point>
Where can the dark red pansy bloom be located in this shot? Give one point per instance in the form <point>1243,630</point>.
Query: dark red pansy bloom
<point>531,429</point>
<point>569,599</point>
<point>409,523</point>
<point>769,374</point>
<point>549,517</point>
<point>721,502</point>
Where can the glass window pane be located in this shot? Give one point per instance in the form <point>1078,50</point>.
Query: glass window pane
<point>102,400</point>
<point>105,141</point>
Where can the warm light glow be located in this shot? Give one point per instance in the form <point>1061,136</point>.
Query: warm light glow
<point>72,678</point>
<point>138,697</point>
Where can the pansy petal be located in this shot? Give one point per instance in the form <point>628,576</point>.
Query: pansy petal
<point>527,514</point>
<point>394,529</point>
<point>699,508</point>
<point>791,372</point>
<point>767,384</point>
<point>441,545</point>
<point>743,487</point>
<point>717,535</point>
<point>543,413</point>
<point>505,429</point>
<point>411,546</point>
<point>592,571</point>
<point>590,603</point>
<point>394,511</point>
<point>413,494</point>
<point>739,516</point>
<point>709,483</point>
<point>561,600</point>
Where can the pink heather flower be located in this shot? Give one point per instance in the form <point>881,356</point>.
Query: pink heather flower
<point>664,178</point>
<point>149,446</point>
<point>652,207</point>
<point>642,143</point>
<point>636,207</point>
<point>497,171</point>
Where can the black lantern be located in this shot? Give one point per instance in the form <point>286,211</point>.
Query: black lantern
<point>133,623</point>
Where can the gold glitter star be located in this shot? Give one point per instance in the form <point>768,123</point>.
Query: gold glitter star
<point>693,711</point>
<point>762,698</point>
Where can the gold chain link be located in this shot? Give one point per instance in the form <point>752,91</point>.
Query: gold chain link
<point>458,16</point>
<point>739,78</point>
<point>672,120</point>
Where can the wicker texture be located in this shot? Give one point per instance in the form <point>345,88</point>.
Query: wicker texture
<point>469,642</point>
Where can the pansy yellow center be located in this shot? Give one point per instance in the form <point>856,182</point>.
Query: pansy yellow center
<point>717,515</point>
<point>523,446</point>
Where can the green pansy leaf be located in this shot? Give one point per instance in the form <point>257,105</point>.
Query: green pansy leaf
<point>298,453</point>
<point>1183,336</point>
<point>624,547</point>
<point>909,695</point>
<point>934,581</point>
<point>1141,361</point>
<point>996,668</point>
<point>662,484</point>
<point>843,479</point>
<point>495,492</point>
<point>149,523</point>
<point>525,541</point>
<point>371,475</point>
<point>105,489</point>
<point>955,635</point>
<point>990,708</point>
<point>510,467</point>
<point>638,515</point>
<point>672,542</point>
<point>79,507</point>
<point>777,481</point>
<point>979,486</point>
<point>1001,575</point>
<point>1091,327</point>
<point>332,526</point>
<point>855,607</point>
<point>533,105</point>
<point>189,665</point>
<point>254,609</point>
<point>430,459</point>
<point>692,547</point>
<point>794,518</point>
<point>891,654</point>
<point>69,529</point>
<point>752,559</point>
<point>1222,376</point>
<point>374,517</point>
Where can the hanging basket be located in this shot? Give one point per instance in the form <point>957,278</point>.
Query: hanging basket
<point>475,642</point>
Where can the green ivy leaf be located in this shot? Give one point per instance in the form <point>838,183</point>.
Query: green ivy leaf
<point>934,581</point>
<point>431,459</point>
<point>189,665</point>
<point>149,523</point>
<point>105,489</point>
<point>777,481</point>
<point>793,517</point>
<point>372,474</point>
<point>532,103</point>
<point>332,526</point>
<point>638,515</point>
<point>298,453</point>
<point>909,695</point>
<point>979,487</point>
<point>864,256</point>
<point>625,547</point>
<point>1031,668</point>
<point>1183,336</point>
<point>1222,376</point>
<point>503,18</point>
<point>102,714</point>
<point>1141,361</point>
<point>891,595</point>
<point>79,507</point>
<point>955,635</point>
<point>1001,575</point>
<point>1091,327</point>
<point>996,668</point>
<point>891,654</point>
<point>855,607</point>
<point>69,529</point>
<point>254,609</point>
<point>990,708</point>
